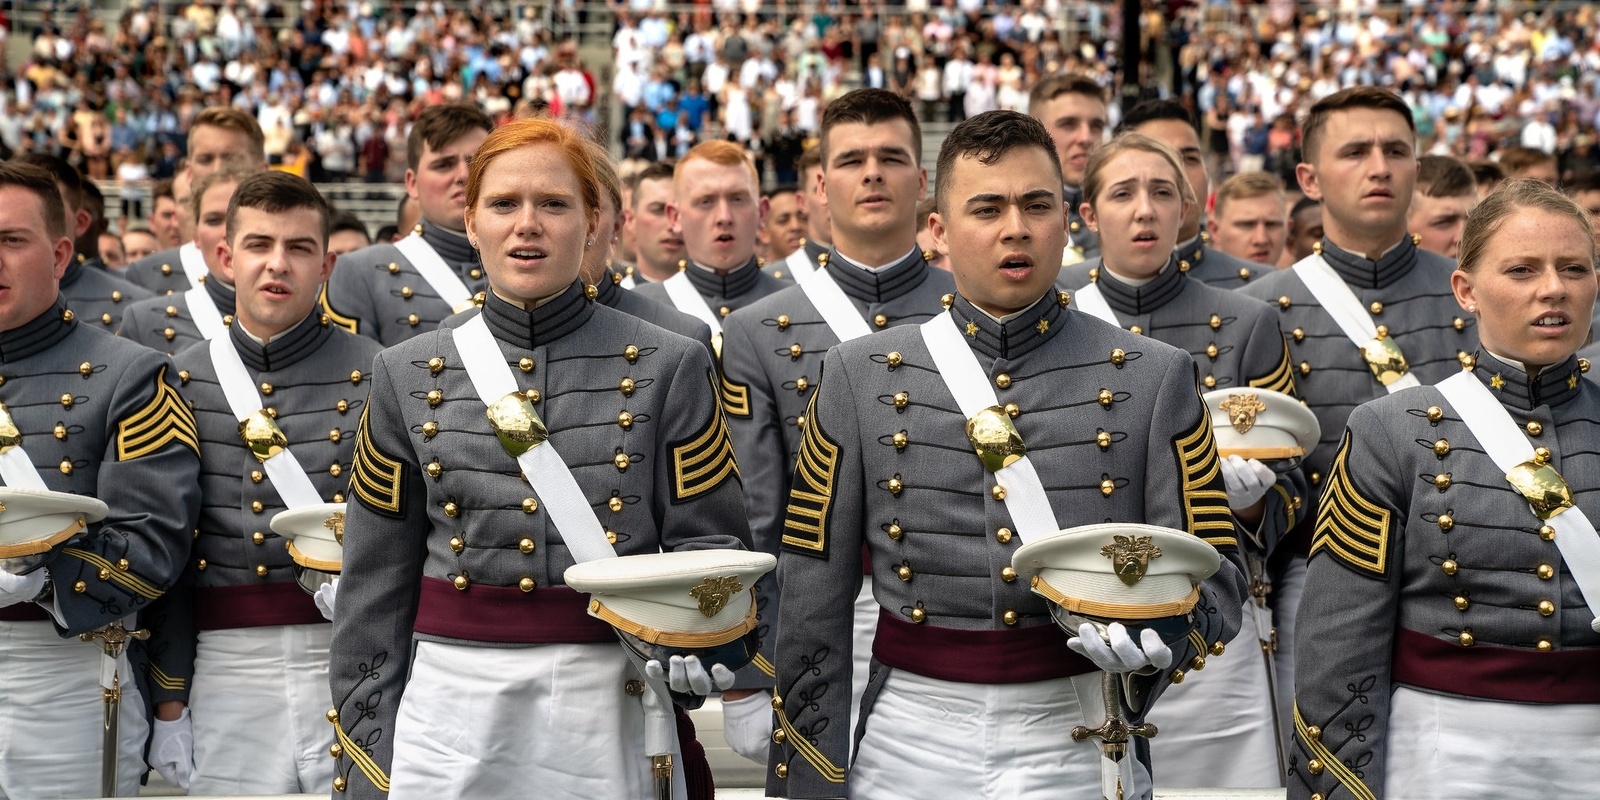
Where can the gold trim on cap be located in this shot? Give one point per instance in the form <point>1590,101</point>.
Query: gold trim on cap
<point>313,563</point>
<point>1116,611</point>
<point>42,545</point>
<point>598,610</point>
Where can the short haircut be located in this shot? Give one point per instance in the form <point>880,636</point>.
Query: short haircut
<point>275,192</point>
<point>1094,173</point>
<point>94,201</point>
<point>783,189</point>
<point>1246,185</point>
<point>233,119</point>
<point>1060,83</point>
<point>810,158</point>
<point>346,221</point>
<point>925,206</point>
<point>1153,111</point>
<point>987,137</point>
<point>1347,100</point>
<point>139,229</point>
<point>1513,195</point>
<point>1486,172</point>
<point>440,125</point>
<point>36,179</point>
<point>1587,182</point>
<point>871,107</point>
<point>67,177</point>
<point>1443,176</point>
<point>204,185</point>
<point>654,171</point>
<point>162,188</point>
<point>720,151</point>
<point>400,208</point>
<point>1516,159</point>
<point>520,133</point>
<point>1302,204</point>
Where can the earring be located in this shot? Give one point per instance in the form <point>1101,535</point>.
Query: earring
<point>1472,309</point>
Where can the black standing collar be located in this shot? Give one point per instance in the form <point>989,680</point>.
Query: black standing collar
<point>289,348</point>
<point>878,286</point>
<point>1015,338</point>
<point>1510,383</point>
<point>1134,300</point>
<point>563,314</point>
<point>709,283</point>
<point>38,334</point>
<point>1369,274</point>
<point>451,246</point>
<point>225,297</point>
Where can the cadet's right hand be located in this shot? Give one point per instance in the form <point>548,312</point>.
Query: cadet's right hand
<point>1117,651</point>
<point>16,589</point>
<point>324,598</point>
<point>747,725</point>
<point>1246,480</point>
<point>172,750</point>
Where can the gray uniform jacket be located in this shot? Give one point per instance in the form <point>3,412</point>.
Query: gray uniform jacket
<point>313,379</point>
<point>1116,430</point>
<point>772,361</point>
<point>160,272</point>
<point>165,323</point>
<point>780,268</point>
<point>610,293</point>
<point>1084,239</point>
<point>1428,570</point>
<point>377,293</point>
<point>443,538</point>
<point>97,297</point>
<point>1236,343</point>
<point>723,293</point>
<point>100,416</point>
<point>1408,290</point>
<point>1196,257</point>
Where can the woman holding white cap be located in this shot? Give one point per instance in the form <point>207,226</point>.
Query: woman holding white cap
<point>1454,575</point>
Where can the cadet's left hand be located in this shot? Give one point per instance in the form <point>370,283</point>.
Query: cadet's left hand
<point>1121,653</point>
<point>16,589</point>
<point>325,598</point>
<point>1247,481</point>
<point>687,675</point>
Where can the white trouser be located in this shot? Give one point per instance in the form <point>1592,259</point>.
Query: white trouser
<point>1457,748</point>
<point>51,711</point>
<point>552,721</point>
<point>1285,610</point>
<point>928,738</point>
<point>866,626</point>
<point>1216,726</point>
<point>259,703</point>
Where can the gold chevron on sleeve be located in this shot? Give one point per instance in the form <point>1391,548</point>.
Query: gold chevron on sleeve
<point>735,398</point>
<point>1338,769</point>
<point>350,324</point>
<point>375,478</point>
<point>1281,378</point>
<point>1205,510</point>
<point>806,522</point>
<point>704,462</point>
<point>163,420</point>
<point>116,573</point>
<point>808,751</point>
<point>1350,527</point>
<point>362,760</point>
<point>765,666</point>
<point>162,680</point>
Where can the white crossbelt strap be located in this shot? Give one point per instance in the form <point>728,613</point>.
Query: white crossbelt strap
<point>1505,442</point>
<point>193,263</point>
<point>1025,498</point>
<point>627,282</point>
<point>17,470</point>
<point>1343,305</point>
<point>288,477</point>
<point>444,280</point>
<point>205,314</point>
<point>836,309</point>
<point>687,299</point>
<point>1090,301</point>
<point>558,491</point>
<point>799,263</point>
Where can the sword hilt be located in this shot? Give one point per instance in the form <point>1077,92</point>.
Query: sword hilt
<point>661,770</point>
<point>1114,730</point>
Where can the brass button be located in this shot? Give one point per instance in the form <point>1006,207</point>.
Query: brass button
<point>1244,273</point>
<point>1461,603</point>
<point>405,292</point>
<point>781,770</point>
<point>1002,380</point>
<point>462,582</point>
<point>1107,486</point>
<point>66,401</point>
<point>335,435</point>
<point>394,269</point>
<point>621,461</point>
<point>266,388</point>
<point>1008,574</point>
<point>895,531</point>
<point>60,431</point>
<point>475,274</point>
<point>1458,323</point>
<point>1103,439</point>
<point>783,322</point>
<point>724,311</point>
<point>336,750</point>
<point>896,486</point>
<point>1211,350</point>
<point>1449,566</point>
<point>1541,455</point>
<point>1013,410</point>
<point>893,359</point>
<point>1441,448</point>
<point>529,505</point>
<point>258,537</point>
<point>1313,733</point>
<point>1314,766</point>
<point>434,469</point>
<point>901,440</point>
<point>1218,648</point>
<point>1446,522</point>
<point>918,615</point>
<point>525,546</point>
<point>1534,428</point>
<point>901,399</point>
<point>626,387</point>
<point>451,509</point>
<point>1135,329</point>
<point>1546,572</point>
<point>1198,663</point>
<point>456,545</point>
<point>435,365</point>
<point>1299,334</point>
<point>880,320</point>
<point>1547,533</point>
<point>1377,307</point>
<point>342,406</point>
<point>1544,646</point>
<point>255,506</point>
<point>85,369</point>
<point>526,584</point>
<point>435,397</point>
<point>800,421</point>
<point>625,420</point>
<point>1215,322</point>
<point>1382,331</point>
<point>227,320</point>
<point>614,503</point>
<point>1284,301</point>
<point>1003,535</point>
<point>430,429</point>
<point>795,350</point>
<point>80,587</point>
<point>1210,381</point>
<point>1305,368</point>
<point>116,297</point>
<point>1177,676</point>
<point>172,311</point>
<point>998,492</point>
<point>122,565</point>
<point>1010,617</point>
<point>779,737</point>
<point>525,364</point>
<point>1442,481</point>
<point>904,572</point>
<point>1466,638</point>
<point>1546,608</point>
<point>1118,357</point>
<point>338,783</point>
<point>200,565</point>
<point>413,320</point>
<point>801,384</point>
<point>1435,413</point>
<point>532,395</point>
<point>261,570</point>
<point>631,353</point>
<point>166,269</point>
<point>1105,397</point>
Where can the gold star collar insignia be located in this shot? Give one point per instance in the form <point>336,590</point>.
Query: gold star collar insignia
<point>1572,381</point>
<point>1043,326</point>
<point>972,329</point>
<point>1497,382</point>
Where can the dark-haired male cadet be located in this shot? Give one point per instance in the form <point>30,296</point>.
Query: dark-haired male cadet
<point>93,415</point>
<point>972,692</point>
<point>392,292</point>
<point>1072,107</point>
<point>812,204</point>
<point>874,277</point>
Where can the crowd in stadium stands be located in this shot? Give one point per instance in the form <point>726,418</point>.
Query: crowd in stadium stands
<point>335,83</point>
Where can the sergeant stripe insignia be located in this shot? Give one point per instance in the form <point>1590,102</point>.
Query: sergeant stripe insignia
<point>735,398</point>
<point>808,752</point>
<point>805,524</point>
<point>1281,378</point>
<point>704,462</point>
<point>348,323</point>
<point>1319,751</point>
<point>163,420</point>
<point>1350,527</point>
<point>362,759</point>
<point>164,681</point>
<point>1205,510</point>
<point>375,479</point>
<point>116,573</point>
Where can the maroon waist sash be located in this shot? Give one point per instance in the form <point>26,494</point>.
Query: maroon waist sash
<point>23,612</point>
<point>258,605</point>
<point>1496,673</point>
<point>508,615</point>
<point>1017,655</point>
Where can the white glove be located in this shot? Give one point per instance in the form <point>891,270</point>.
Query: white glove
<point>16,589</point>
<point>1121,653</point>
<point>686,675</point>
<point>747,725</point>
<point>1247,481</point>
<point>172,750</point>
<point>324,598</point>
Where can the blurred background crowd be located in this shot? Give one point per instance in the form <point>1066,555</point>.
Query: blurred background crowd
<point>112,85</point>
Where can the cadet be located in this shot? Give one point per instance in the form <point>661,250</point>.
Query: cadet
<point>1072,108</point>
<point>1445,192</point>
<point>658,246</point>
<point>873,277</point>
<point>171,323</point>
<point>1250,218</point>
<point>220,138</point>
<point>1369,313</point>
<point>392,292</point>
<point>97,297</point>
<point>1452,574</point>
<point>785,230</point>
<point>1216,729</point>
<point>811,202</point>
<point>717,204</point>
<point>451,556</point>
<point>90,414</point>
<point>887,462</point>
<point>241,643</point>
